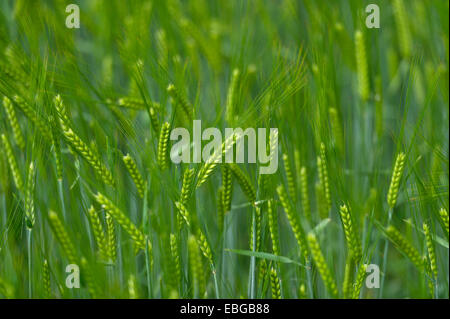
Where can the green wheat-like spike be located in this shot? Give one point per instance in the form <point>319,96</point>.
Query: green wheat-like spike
<point>361,65</point>
<point>131,103</point>
<point>32,116</point>
<point>137,236</point>
<point>230,107</point>
<point>405,246</point>
<point>304,193</point>
<point>227,183</point>
<point>443,214</point>
<point>321,202</point>
<point>163,146</point>
<point>186,188</point>
<point>135,174</point>
<point>431,250</point>
<point>91,157</point>
<point>57,151</point>
<point>403,30</point>
<point>290,178</point>
<point>323,177</point>
<point>299,233</point>
<point>12,163</point>
<point>184,213</point>
<point>212,161</point>
<point>196,266</point>
<point>275,284</point>
<point>182,101</point>
<point>162,48</point>
<point>273,226</point>
<point>99,233</point>
<point>132,289</point>
<point>347,285</point>
<point>174,251</point>
<point>154,118</point>
<point>395,180</point>
<point>322,266</point>
<point>18,136</point>
<point>351,234</point>
<point>62,236</point>
<point>29,202</point>
<point>89,278</point>
<point>360,276</point>
<point>46,279</point>
<point>244,182</point>
<point>220,209</point>
<point>257,227</point>
<point>63,116</point>
<point>336,128</point>
<point>204,246</point>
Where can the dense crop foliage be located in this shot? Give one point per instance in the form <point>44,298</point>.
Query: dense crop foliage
<point>86,176</point>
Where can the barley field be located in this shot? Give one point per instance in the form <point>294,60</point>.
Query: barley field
<point>92,205</point>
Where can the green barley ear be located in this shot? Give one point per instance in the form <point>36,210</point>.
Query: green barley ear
<point>220,209</point>
<point>18,136</point>
<point>184,213</point>
<point>77,143</point>
<point>443,214</point>
<point>336,129</point>
<point>304,193</point>
<point>232,97</point>
<point>204,246</point>
<point>62,236</point>
<point>302,292</point>
<point>135,174</point>
<point>99,234</point>
<point>257,227</point>
<point>351,234</point>
<point>132,290</point>
<point>322,266</point>
<point>46,279</point>
<point>89,278</point>
<point>361,66</point>
<point>347,285</point>
<point>244,182</point>
<point>56,150</point>
<point>320,201</point>
<point>208,167</point>
<point>162,49</point>
<point>12,163</point>
<point>289,178</point>
<point>32,116</point>
<point>62,112</point>
<point>227,183</point>
<point>163,147</point>
<point>174,251</point>
<point>403,31</point>
<point>29,203</point>
<point>273,227</point>
<point>299,233</point>
<point>122,219</point>
<point>196,266</point>
<point>360,276</point>
<point>405,246</point>
<point>181,101</point>
<point>431,251</point>
<point>395,180</point>
<point>132,103</point>
<point>275,284</point>
<point>186,188</point>
<point>323,177</point>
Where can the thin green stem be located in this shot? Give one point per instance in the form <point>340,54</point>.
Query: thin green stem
<point>29,264</point>
<point>386,248</point>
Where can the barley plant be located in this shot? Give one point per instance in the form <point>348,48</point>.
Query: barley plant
<point>356,208</point>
